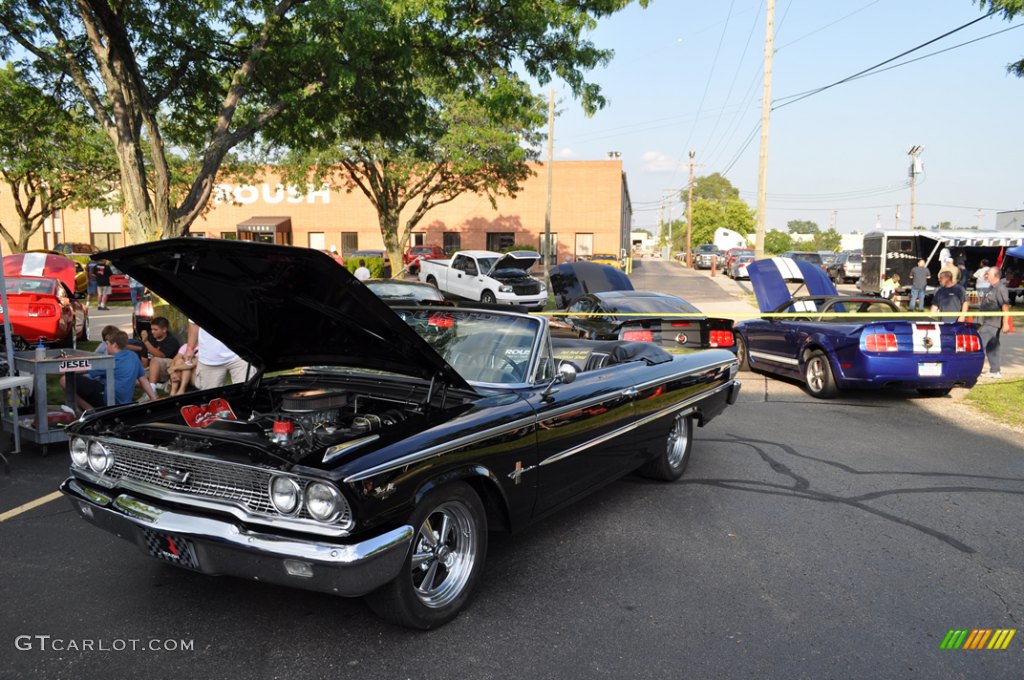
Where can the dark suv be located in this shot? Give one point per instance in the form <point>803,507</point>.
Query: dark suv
<point>702,256</point>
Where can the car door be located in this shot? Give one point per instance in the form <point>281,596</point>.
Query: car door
<point>580,439</point>
<point>463,281</point>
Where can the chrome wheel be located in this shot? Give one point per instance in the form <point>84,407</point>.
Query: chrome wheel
<point>444,554</point>
<point>679,442</point>
<point>741,353</point>
<point>816,374</point>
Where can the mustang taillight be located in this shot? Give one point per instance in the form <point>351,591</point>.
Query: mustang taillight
<point>36,309</point>
<point>880,342</point>
<point>638,336</point>
<point>968,343</point>
<point>720,338</point>
<point>680,324</point>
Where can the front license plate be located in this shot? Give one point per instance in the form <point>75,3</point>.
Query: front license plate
<point>928,370</point>
<point>174,549</point>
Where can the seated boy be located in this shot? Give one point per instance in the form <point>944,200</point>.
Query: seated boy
<point>128,371</point>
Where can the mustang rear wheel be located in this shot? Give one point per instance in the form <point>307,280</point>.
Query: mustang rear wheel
<point>670,465</point>
<point>741,353</point>
<point>818,376</point>
<point>443,564</point>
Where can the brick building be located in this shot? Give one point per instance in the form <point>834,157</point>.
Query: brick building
<point>591,213</point>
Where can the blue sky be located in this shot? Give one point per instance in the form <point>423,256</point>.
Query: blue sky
<point>687,75</point>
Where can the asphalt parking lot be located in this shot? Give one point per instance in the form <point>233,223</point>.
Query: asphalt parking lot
<point>808,539</point>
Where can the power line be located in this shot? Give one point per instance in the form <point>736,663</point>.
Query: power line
<point>818,30</point>
<point>880,64</point>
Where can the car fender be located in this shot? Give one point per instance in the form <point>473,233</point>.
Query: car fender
<point>818,342</point>
<point>483,481</point>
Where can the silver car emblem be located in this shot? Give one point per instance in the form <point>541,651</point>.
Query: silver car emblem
<point>172,475</point>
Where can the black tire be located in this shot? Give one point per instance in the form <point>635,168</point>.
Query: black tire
<point>487,297</point>
<point>457,560</point>
<point>742,353</point>
<point>818,376</point>
<point>670,465</point>
<point>934,391</point>
<point>432,281</point>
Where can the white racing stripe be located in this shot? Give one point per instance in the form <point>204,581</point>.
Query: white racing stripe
<point>927,340</point>
<point>788,268</point>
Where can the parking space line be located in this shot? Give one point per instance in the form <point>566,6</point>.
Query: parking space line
<point>28,506</point>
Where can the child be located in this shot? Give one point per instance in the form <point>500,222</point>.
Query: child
<point>181,372</point>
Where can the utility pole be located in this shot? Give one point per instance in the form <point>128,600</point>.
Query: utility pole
<point>915,170</point>
<point>766,109</point>
<point>835,216</point>
<point>981,214</point>
<point>897,216</point>
<point>551,169</point>
<point>689,218</point>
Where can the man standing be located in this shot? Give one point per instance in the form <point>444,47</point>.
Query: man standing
<point>997,299</point>
<point>919,276</point>
<point>90,277</point>
<point>161,346</point>
<point>950,296</point>
<point>981,283</point>
<point>103,274</point>
<point>948,266</point>
<point>362,273</point>
<point>216,361</point>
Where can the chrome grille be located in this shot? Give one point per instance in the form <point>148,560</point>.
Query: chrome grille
<point>241,485</point>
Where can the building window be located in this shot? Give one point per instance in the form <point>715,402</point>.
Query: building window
<point>418,238</point>
<point>229,235</point>
<point>106,241</point>
<point>349,242</point>
<point>551,250</point>
<point>452,242</point>
<point>317,240</point>
<point>500,240</point>
<point>196,234</point>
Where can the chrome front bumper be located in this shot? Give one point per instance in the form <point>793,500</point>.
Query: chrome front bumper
<point>219,547</point>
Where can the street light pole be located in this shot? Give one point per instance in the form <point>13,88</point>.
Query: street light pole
<point>689,218</point>
<point>915,169</point>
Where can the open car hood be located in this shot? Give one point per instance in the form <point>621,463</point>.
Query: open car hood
<point>573,279</point>
<point>279,307</point>
<point>768,278</point>
<point>48,265</point>
<point>517,259</point>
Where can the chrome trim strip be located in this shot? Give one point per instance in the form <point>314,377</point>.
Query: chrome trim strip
<point>774,357</point>
<point>440,449</point>
<point>339,449</point>
<point>634,425</point>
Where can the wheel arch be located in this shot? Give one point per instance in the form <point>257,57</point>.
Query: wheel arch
<point>486,485</point>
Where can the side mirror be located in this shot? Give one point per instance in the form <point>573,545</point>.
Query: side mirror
<point>566,375</point>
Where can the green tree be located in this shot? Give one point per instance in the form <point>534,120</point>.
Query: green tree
<point>777,242</point>
<point>802,227</point>
<point>942,226</point>
<point>50,158</point>
<point>829,240</point>
<point>712,187</point>
<point>478,145</point>
<point>709,215</point>
<point>203,78</point>
<point>1009,9</point>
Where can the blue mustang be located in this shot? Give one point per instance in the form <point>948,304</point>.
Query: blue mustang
<point>829,353</point>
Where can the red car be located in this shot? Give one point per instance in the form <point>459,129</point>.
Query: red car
<point>413,255</point>
<point>43,307</point>
<point>119,285</point>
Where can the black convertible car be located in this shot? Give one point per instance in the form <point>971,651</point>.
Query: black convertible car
<point>374,446</point>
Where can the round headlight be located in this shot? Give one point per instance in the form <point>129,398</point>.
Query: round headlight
<point>323,501</point>
<point>100,459</point>
<point>285,494</point>
<point>79,453</point>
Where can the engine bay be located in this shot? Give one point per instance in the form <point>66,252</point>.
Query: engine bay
<point>282,424</point>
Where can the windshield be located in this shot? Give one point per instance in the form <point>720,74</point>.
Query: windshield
<point>38,286</point>
<point>404,290</point>
<point>483,347</point>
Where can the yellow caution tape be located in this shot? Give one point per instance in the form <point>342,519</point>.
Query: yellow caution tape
<point>895,316</point>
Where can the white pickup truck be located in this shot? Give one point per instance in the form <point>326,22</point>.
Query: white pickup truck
<point>496,278</point>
